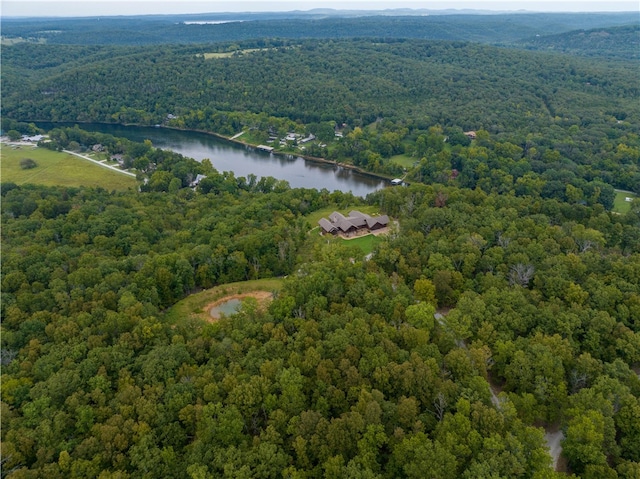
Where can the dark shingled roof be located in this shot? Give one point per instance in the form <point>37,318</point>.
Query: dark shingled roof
<point>356,220</point>
<point>326,225</point>
<point>381,221</point>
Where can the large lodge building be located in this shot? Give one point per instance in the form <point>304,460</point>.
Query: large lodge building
<point>355,224</point>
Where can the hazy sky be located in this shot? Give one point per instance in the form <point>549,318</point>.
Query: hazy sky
<point>125,7</point>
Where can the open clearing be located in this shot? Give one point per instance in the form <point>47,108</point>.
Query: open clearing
<point>58,169</point>
<point>262,297</point>
<point>197,306</point>
<point>209,56</point>
<point>620,205</point>
<point>365,243</point>
<point>404,160</point>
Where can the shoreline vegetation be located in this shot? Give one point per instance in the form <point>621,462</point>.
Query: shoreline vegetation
<point>236,140</point>
<point>315,159</point>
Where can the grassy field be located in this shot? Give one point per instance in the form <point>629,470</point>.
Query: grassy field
<point>56,168</point>
<point>192,306</point>
<point>252,137</point>
<point>14,41</point>
<point>365,243</point>
<point>619,204</point>
<point>404,160</point>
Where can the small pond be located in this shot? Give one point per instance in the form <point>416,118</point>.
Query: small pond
<point>227,308</point>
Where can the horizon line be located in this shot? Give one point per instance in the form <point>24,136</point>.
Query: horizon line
<point>315,9</point>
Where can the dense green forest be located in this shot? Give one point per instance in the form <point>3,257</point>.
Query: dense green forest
<point>502,306</point>
<point>347,374</point>
<point>542,111</point>
<point>184,29</point>
<point>615,42</point>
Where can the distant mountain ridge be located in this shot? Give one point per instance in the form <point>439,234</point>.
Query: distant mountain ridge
<point>180,29</point>
<point>611,42</point>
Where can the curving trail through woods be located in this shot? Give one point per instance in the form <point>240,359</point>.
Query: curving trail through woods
<point>553,435</point>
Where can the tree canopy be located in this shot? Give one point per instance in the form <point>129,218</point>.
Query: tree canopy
<point>502,302</point>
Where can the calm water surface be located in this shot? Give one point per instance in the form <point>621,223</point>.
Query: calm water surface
<point>242,160</point>
<point>227,308</point>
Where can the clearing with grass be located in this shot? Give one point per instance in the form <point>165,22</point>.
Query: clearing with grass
<point>620,204</point>
<point>57,168</point>
<point>197,305</point>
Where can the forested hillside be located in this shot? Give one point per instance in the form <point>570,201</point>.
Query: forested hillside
<point>614,42</point>
<point>221,27</point>
<point>347,373</point>
<point>498,313</point>
<point>547,109</point>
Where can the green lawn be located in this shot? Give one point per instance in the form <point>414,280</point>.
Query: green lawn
<point>365,243</point>
<point>57,168</point>
<point>404,160</point>
<point>192,306</point>
<point>620,205</point>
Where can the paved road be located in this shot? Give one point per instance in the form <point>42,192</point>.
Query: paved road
<point>100,163</point>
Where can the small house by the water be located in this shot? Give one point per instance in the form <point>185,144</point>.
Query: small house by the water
<point>197,181</point>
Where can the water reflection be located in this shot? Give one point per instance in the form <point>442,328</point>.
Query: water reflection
<point>241,159</point>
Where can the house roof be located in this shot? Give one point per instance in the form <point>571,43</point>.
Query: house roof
<point>336,217</point>
<point>378,220</point>
<point>346,225</point>
<point>355,220</point>
<point>197,180</point>
<point>326,225</point>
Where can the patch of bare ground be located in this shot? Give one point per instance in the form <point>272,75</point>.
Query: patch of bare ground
<point>263,298</point>
<point>553,435</point>
<point>495,390</point>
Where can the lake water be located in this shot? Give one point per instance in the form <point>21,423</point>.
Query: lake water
<point>242,160</point>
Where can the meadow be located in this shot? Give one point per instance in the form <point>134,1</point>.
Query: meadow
<point>57,168</point>
<point>620,204</point>
<point>194,306</point>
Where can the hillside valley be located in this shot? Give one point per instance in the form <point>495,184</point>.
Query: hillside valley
<point>491,330</point>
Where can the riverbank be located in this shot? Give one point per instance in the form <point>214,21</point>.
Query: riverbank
<point>236,139</point>
<point>314,159</point>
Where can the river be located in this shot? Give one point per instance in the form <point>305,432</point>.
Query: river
<point>242,160</point>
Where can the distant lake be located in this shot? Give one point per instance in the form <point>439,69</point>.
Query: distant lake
<point>242,160</point>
